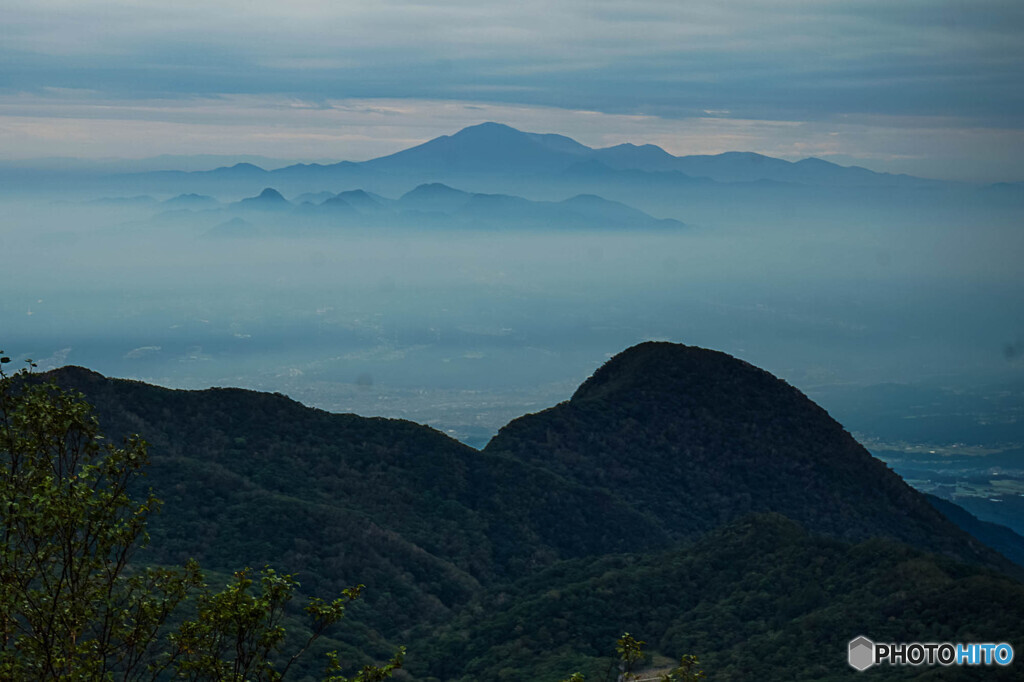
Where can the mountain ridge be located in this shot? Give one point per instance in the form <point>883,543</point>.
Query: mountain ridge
<point>483,146</point>
<point>655,419</point>
<point>680,493</point>
<point>438,205</point>
<point>491,147</point>
<point>660,418</point>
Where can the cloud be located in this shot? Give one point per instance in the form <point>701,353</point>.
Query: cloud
<point>759,60</point>
<point>140,352</point>
<point>72,123</point>
<point>787,61</point>
<point>58,359</point>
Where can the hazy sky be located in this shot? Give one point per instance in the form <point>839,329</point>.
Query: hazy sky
<point>932,87</point>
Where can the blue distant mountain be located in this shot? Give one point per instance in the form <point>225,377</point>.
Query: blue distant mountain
<point>496,158</point>
<point>647,157</point>
<point>364,201</point>
<point>434,196</point>
<point>437,205</point>
<point>239,169</point>
<point>268,199</point>
<point>487,147</point>
<point>335,206</point>
<point>500,149</point>
<point>191,201</point>
<point>312,197</point>
<point>750,167</point>
<point>504,210</point>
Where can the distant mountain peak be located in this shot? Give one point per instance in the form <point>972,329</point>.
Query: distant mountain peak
<point>497,149</point>
<point>501,151</point>
<point>361,193</point>
<point>191,200</point>
<point>433,188</point>
<point>337,203</point>
<point>271,194</point>
<point>586,197</point>
<point>362,200</point>
<point>486,147</point>
<point>267,199</point>
<point>490,132</point>
<point>241,169</point>
<point>434,196</point>
<point>815,161</point>
<point>746,156</point>
<point>629,146</point>
<point>488,127</point>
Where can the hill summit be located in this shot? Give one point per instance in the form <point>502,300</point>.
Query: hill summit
<point>695,438</point>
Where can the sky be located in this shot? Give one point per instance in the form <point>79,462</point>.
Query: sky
<point>930,87</point>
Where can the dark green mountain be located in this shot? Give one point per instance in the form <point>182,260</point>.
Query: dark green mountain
<point>628,507</point>
<point>252,478</point>
<point>758,599</point>
<point>695,438</point>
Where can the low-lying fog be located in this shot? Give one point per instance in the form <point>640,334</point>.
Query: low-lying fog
<point>465,329</point>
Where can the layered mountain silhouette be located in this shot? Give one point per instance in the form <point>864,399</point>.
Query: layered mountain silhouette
<point>484,148</point>
<point>495,155</point>
<point>675,481</point>
<point>494,147</point>
<point>439,206</point>
<point>268,199</point>
<point>191,201</point>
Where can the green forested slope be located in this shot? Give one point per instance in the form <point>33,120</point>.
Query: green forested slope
<point>758,599</point>
<point>525,561</point>
<point>696,437</point>
<point>250,478</point>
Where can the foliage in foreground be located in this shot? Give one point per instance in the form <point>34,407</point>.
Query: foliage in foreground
<point>260,476</point>
<point>72,607</point>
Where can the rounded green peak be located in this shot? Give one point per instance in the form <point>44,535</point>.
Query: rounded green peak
<point>659,366</point>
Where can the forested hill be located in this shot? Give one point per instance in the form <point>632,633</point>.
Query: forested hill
<point>218,452</point>
<point>696,438</point>
<point>758,599</point>
<point>425,522</point>
<point>662,445</point>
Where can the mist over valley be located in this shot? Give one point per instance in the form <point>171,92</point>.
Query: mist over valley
<point>530,342</point>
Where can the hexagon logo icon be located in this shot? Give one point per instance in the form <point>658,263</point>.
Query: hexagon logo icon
<point>862,653</point>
